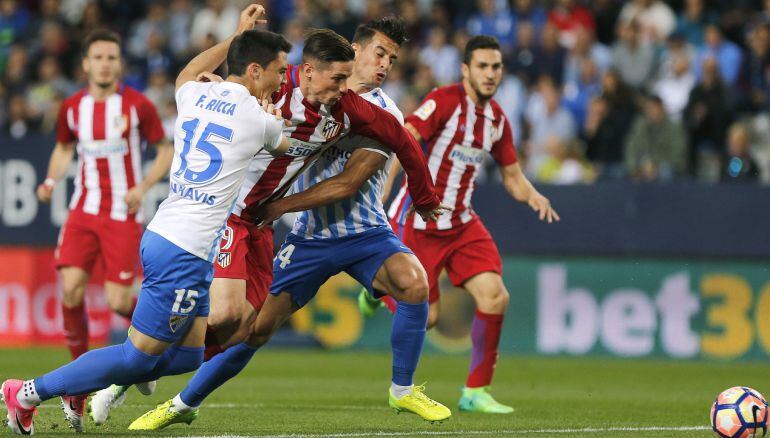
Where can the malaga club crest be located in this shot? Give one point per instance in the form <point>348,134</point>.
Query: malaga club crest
<point>224,259</point>
<point>331,128</point>
<point>176,321</point>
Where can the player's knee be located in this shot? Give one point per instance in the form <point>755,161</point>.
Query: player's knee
<point>72,294</point>
<point>412,287</point>
<point>122,305</point>
<point>496,301</point>
<point>224,314</point>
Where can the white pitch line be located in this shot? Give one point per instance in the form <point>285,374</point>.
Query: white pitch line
<point>246,406</point>
<point>471,432</point>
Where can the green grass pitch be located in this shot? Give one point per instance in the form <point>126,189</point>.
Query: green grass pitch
<point>313,393</point>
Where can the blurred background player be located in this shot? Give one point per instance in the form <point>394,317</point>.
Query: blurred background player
<point>106,122</point>
<point>220,128</point>
<point>460,124</point>
<point>318,95</point>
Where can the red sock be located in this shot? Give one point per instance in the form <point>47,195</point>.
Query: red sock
<point>390,303</point>
<point>485,335</point>
<point>212,345</point>
<point>76,329</point>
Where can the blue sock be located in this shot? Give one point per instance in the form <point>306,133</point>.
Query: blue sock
<point>97,369</point>
<point>407,334</point>
<point>176,360</point>
<point>214,373</point>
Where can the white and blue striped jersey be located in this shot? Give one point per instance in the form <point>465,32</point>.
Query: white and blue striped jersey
<point>362,212</point>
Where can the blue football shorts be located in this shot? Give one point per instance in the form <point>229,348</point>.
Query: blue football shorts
<point>175,289</point>
<point>303,265</point>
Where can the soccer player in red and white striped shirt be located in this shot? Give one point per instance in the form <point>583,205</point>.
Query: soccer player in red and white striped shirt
<point>107,123</point>
<point>460,124</point>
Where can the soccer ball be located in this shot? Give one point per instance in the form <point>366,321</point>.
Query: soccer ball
<point>739,412</point>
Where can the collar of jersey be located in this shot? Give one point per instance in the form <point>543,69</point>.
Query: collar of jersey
<point>234,86</point>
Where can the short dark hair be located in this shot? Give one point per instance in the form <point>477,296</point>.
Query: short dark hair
<point>479,42</point>
<point>259,46</point>
<point>392,27</point>
<point>327,46</point>
<point>99,35</point>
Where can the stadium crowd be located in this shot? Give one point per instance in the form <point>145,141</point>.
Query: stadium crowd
<point>644,90</point>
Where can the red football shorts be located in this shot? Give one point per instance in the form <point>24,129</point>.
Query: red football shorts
<point>464,252</point>
<point>246,253</point>
<point>85,238</point>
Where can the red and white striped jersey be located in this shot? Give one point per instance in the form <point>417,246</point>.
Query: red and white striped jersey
<point>109,135</point>
<point>312,127</point>
<point>458,135</point>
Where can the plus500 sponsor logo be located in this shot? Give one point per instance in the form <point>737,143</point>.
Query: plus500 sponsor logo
<point>732,319</point>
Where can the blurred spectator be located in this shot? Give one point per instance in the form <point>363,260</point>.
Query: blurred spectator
<point>442,58</point>
<point>565,164</point>
<point>739,165</point>
<point>606,14</point>
<point>157,58</point>
<point>726,53</point>
<point>755,67</point>
<point>568,17</point>
<point>707,114</point>
<point>494,21</point>
<point>422,82</point>
<point>586,49</point>
<point>547,118</point>
<point>294,32</point>
<point>179,23</point>
<point>604,139</point>
<point>579,92</point>
<point>154,22</point>
<point>656,19</point>
<point>529,11</point>
<point>53,41</point>
<point>676,48</point>
<point>16,72</point>
<point>693,20</point>
<point>550,56</point>
<point>656,148</point>
<point>14,20</point>
<point>160,91</point>
<point>522,60</point>
<point>674,88</point>
<point>50,86</point>
<point>218,19</point>
<point>18,123</point>
<point>338,18</point>
<point>91,19</point>
<point>632,57</point>
<point>512,97</point>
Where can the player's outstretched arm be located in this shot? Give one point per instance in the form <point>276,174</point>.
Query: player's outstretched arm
<point>517,184</point>
<point>210,59</point>
<point>61,157</point>
<point>378,124</point>
<point>359,168</point>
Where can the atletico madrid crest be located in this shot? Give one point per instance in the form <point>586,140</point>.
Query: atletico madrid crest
<point>224,259</point>
<point>331,128</point>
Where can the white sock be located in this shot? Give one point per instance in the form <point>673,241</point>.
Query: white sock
<point>177,405</point>
<point>27,395</point>
<point>400,391</point>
